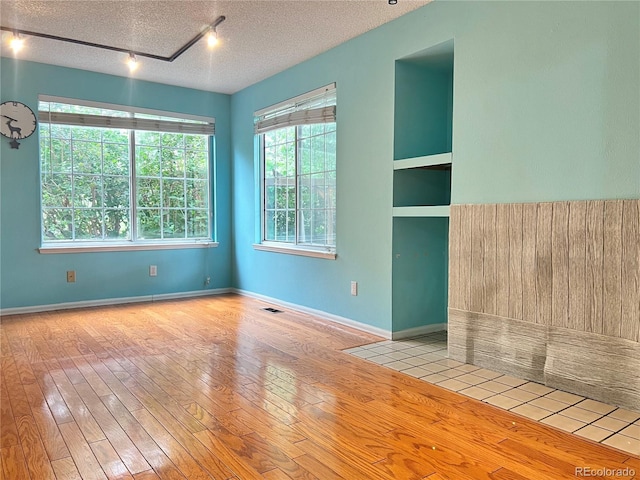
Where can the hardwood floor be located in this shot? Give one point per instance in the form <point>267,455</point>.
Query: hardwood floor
<point>218,388</point>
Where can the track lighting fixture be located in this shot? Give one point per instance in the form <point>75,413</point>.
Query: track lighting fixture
<point>17,42</point>
<point>132,62</point>
<point>212,37</point>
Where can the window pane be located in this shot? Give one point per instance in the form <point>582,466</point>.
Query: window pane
<point>173,225</point>
<point>116,159</point>
<point>111,135</point>
<point>270,197</point>
<point>117,224</point>
<point>87,157</point>
<point>196,164</point>
<point>149,224</point>
<point>147,138</point>
<point>148,192</point>
<point>195,142</point>
<point>57,224</point>
<point>270,225</point>
<point>172,163</point>
<point>56,190</point>
<point>318,193</point>
<point>197,196</point>
<point>172,140</point>
<point>116,192</point>
<point>305,156</point>
<point>197,223</point>
<point>60,160</point>
<point>305,191</point>
<point>291,226</point>
<point>147,162</point>
<point>319,227</point>
<point>87,191</point>
<point>173,193</point>
<point>88,223</point>
<point>304,222</point>
<point>86,133</point>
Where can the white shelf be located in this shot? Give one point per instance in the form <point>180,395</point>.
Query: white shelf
<point>427,161</point>
<point>426,211</point>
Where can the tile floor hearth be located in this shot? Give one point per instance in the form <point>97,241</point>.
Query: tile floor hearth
<point>426,358</point>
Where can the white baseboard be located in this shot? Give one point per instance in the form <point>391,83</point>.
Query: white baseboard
<point>318,313</point>
<point>418,331</point>
<point>112,301</point>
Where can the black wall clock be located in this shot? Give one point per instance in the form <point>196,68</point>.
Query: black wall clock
<point>17,121</point>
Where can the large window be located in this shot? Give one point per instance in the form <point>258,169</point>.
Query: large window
<point>298,160</point>
<point>111,174</point>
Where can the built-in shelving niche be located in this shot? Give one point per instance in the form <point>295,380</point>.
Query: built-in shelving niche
<point>422,168</point>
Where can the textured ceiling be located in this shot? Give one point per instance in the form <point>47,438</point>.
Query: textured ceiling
<point>258,38</point>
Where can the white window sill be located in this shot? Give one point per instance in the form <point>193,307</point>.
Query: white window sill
<point>120,247</point>
<point>294,250</point>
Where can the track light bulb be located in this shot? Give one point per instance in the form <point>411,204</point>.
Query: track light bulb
<point>212,38</point>
<point>132,62</point>
<point>393,2</point>
<point>16,43</point>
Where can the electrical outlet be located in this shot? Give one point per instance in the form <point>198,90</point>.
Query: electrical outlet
<point>71,276</point>
<point>354,288</point>
<point>153,270</point>
<point>207,281</point>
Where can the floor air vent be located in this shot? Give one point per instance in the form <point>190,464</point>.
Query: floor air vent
<point>272,310</point>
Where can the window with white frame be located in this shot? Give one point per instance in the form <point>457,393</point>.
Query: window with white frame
<point>112,174</point>
<point>298,166</point>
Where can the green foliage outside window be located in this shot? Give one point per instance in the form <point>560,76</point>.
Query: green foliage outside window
<point>300,184</point>
<point>86,184</point>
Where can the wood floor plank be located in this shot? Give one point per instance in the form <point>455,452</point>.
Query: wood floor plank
<point>130,455</point>
<point>13,465</point>
<point>109,460</point>
<point>9,431</point>
<point>153,454</point>
<point>187,462</point>
<point>86,462</point>
<point>65,469</point>
<point>83,418</point>
<point>33,449</point>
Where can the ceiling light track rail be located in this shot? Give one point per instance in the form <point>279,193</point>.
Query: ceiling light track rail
<point>171,58</point>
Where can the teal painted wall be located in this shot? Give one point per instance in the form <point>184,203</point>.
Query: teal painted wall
<point>422,112</point>
<point>546,107</point>
<point>420,271</point>
<point>28,278</point>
